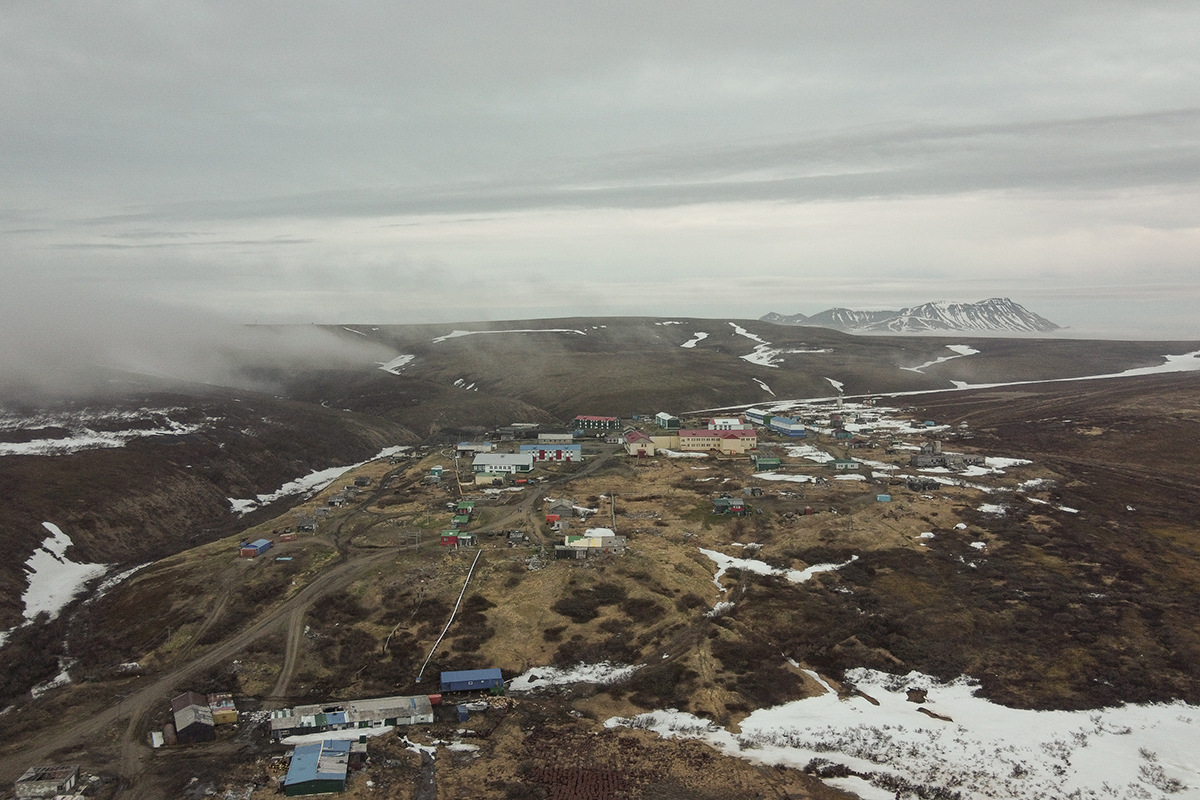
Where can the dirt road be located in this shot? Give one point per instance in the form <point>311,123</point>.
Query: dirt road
<point>139,705</point>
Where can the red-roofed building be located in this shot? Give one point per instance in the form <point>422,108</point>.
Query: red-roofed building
<point>703,439</point>
<point>638,444</point>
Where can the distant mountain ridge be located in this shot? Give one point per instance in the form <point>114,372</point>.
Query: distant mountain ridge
<point>995,314</point>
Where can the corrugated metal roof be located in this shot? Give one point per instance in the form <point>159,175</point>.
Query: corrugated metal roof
<point>472,675</point>
<point>322,761</point>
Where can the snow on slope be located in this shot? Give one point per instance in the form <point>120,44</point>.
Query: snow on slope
<point>994,314</point>
<point>308,485</point>
<point>960,350</point>
<point>697,338</point>
<point>601,674</point>
<point>80,430</point>
<point>725,562</point>
<point>396,364</point>
<point>976,750</point>
<point>457,334</point>
<point>54,579</point>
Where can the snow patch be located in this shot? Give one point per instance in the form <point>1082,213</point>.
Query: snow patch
<point>778,476</point>
<point>960,350</point>
<point>602,674</point>
<point>54,579</point>
<point>725,562</point>
<point>677,454</point>
<point>458,334</point>
<point>764,386</point>
<point>697,337</point>
<point>396,364</point>
<point>740,331</point>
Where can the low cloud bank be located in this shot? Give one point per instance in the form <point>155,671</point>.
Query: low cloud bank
<point>62,346</point>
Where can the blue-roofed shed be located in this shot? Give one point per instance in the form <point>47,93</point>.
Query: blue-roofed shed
<point>469,680</point>
<point>318,768</point>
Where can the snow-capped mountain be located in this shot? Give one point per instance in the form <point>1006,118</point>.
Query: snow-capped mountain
<point>995,314</point>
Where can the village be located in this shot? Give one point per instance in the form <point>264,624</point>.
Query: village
<point>513,490</point>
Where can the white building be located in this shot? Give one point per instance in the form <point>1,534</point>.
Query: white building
<point>500,463</point>
<point>727,424</point>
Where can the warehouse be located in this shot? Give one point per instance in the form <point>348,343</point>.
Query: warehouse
<point>788,426</point>
<point>318,768</point>
<point>255,548</point>
<point>667,421</point>
<point>370,713</point>
<point>471,680</point>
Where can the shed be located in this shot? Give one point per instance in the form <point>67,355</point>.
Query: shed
<point>223,709</point>
<point>471,680</point>
<point>188,699</point>
<point>727,505</point>
<point>449,539</point>
<point>255,548</point>
<point>194,724</point>
<point>318,768</point>
<point>463,713</point>
<point>47,780</point>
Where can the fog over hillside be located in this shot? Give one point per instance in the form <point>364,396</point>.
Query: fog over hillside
<point>63,345</point>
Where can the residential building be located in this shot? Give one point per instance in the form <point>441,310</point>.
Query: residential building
<point>638,444</point>
<point>726,424</point>
<point>587,422</point>
<point>730,442</point>
<point>729,505</point>
<point>554,453</point>
<point>844,465</point>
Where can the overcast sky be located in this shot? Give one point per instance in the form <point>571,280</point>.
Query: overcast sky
<point>407,162</point>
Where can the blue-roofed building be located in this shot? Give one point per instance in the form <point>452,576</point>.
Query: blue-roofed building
<point>318,768</point>
<point>471,680</point>
<point>787,426</point>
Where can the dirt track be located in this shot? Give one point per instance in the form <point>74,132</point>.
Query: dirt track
<point>137,706</point>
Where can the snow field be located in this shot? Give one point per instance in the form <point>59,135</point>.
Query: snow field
<point>982,750</point>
